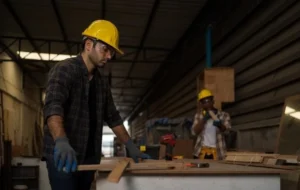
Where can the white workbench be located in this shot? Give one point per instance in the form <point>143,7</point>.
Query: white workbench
<point>218,176</point>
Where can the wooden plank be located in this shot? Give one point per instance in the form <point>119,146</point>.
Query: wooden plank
<point>178,167</point>
<point>132,167</point>
<point>245,158</point>
<point>292,168</point>
<point>117,172</point>
<point>231,153</point>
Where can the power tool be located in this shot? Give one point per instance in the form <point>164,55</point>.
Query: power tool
<point>169,140</point>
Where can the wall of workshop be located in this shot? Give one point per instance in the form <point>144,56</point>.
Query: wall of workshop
<point>262,45</point>
<point>21,105</point>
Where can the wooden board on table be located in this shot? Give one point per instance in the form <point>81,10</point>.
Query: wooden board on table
<point>241,158</point>
<point>259,157</point>
<point>216,167</point>
<point>117,172</point>
<point>282,167</point>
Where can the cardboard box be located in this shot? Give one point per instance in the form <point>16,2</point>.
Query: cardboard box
<point>182,147</point>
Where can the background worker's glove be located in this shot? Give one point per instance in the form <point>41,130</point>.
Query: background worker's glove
<point>217,123</point>
<point>134,152</point>
<point>64,155</point>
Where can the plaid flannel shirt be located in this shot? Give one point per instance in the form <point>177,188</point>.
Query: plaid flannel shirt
<point>67,94</point>
<point>220,144</point>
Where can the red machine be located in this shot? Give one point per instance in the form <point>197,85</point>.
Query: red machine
<point>169,140</point>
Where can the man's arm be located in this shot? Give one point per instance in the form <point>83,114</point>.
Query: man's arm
<point>57,92</point>
<point>113,118</point>
<point>121,133</point>
<point>226,122</point>
<point>198,124</point>
<point>56,127</point>
<point>115,122</point>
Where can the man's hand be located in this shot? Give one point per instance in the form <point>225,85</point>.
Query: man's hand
<point>220,125</point>
<point>64,155</point>
<point>134,152</point>
<point>217,123</point>
<point>206,116</point>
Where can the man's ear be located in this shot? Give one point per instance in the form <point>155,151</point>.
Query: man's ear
<point>88,44</point>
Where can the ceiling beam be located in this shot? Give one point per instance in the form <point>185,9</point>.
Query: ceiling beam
<point>22,26</point>
<point>147,48</point>
<point>61,25</point>
<point>126,94</point>
<point>145,34</point>
<point>33,61</point>
<point>157,75</point>
<point>18,62</point>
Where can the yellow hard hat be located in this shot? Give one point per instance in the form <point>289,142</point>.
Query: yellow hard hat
<point>204,93</point>
<point>105,31</point>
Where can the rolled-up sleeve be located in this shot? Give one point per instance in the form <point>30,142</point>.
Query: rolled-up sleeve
<point>111,114</point>
<point>57,90</point>
<point>227,120</point>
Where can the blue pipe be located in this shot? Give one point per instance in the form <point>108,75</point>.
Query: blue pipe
<point>208,47</point>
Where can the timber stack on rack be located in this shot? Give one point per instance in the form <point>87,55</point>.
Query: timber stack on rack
<point>220,81</point>
<point>263,160</point>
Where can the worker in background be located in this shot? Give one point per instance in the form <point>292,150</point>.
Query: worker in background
<point>210,143</point>
<point>78,101</point>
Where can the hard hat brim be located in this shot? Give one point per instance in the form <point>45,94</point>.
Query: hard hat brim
<point>119,51</point>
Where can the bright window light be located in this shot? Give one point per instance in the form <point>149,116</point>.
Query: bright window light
<point>289,110</point>
<point>296,115</point>
<point>126,125</point>
<point>108,137</point>
<point>45,56</point>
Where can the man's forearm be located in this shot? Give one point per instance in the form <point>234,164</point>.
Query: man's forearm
<point>199,127</point>
<point>121,133</point>
<point>56,127</point>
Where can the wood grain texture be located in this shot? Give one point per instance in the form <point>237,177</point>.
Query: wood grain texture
<point>220,80</point>
<point>117,172</point>
<point>177,167</point>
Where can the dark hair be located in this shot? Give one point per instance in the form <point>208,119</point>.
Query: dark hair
<point>84,39</point>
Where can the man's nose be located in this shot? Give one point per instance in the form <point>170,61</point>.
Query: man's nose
<point>108,55</point>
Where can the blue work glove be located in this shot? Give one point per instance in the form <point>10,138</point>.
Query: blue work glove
<point>134,152</point>
<point>217,123</point>
<point>64,155</point>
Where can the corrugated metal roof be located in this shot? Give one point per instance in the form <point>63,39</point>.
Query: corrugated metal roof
<point>170,21</point>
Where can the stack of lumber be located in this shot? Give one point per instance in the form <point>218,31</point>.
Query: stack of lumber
<point>263,160</point>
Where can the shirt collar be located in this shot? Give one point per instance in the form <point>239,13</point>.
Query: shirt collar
<point>82,64</point>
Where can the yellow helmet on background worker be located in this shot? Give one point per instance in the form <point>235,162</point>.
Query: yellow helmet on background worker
<point>204,93</point>
<point>105,31</point>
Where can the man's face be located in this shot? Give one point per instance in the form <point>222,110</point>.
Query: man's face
<point>100,54</point>
<point>207,103</point>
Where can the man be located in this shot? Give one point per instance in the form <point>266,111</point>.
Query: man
<point>78,101</point>
<point>210,143</point>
